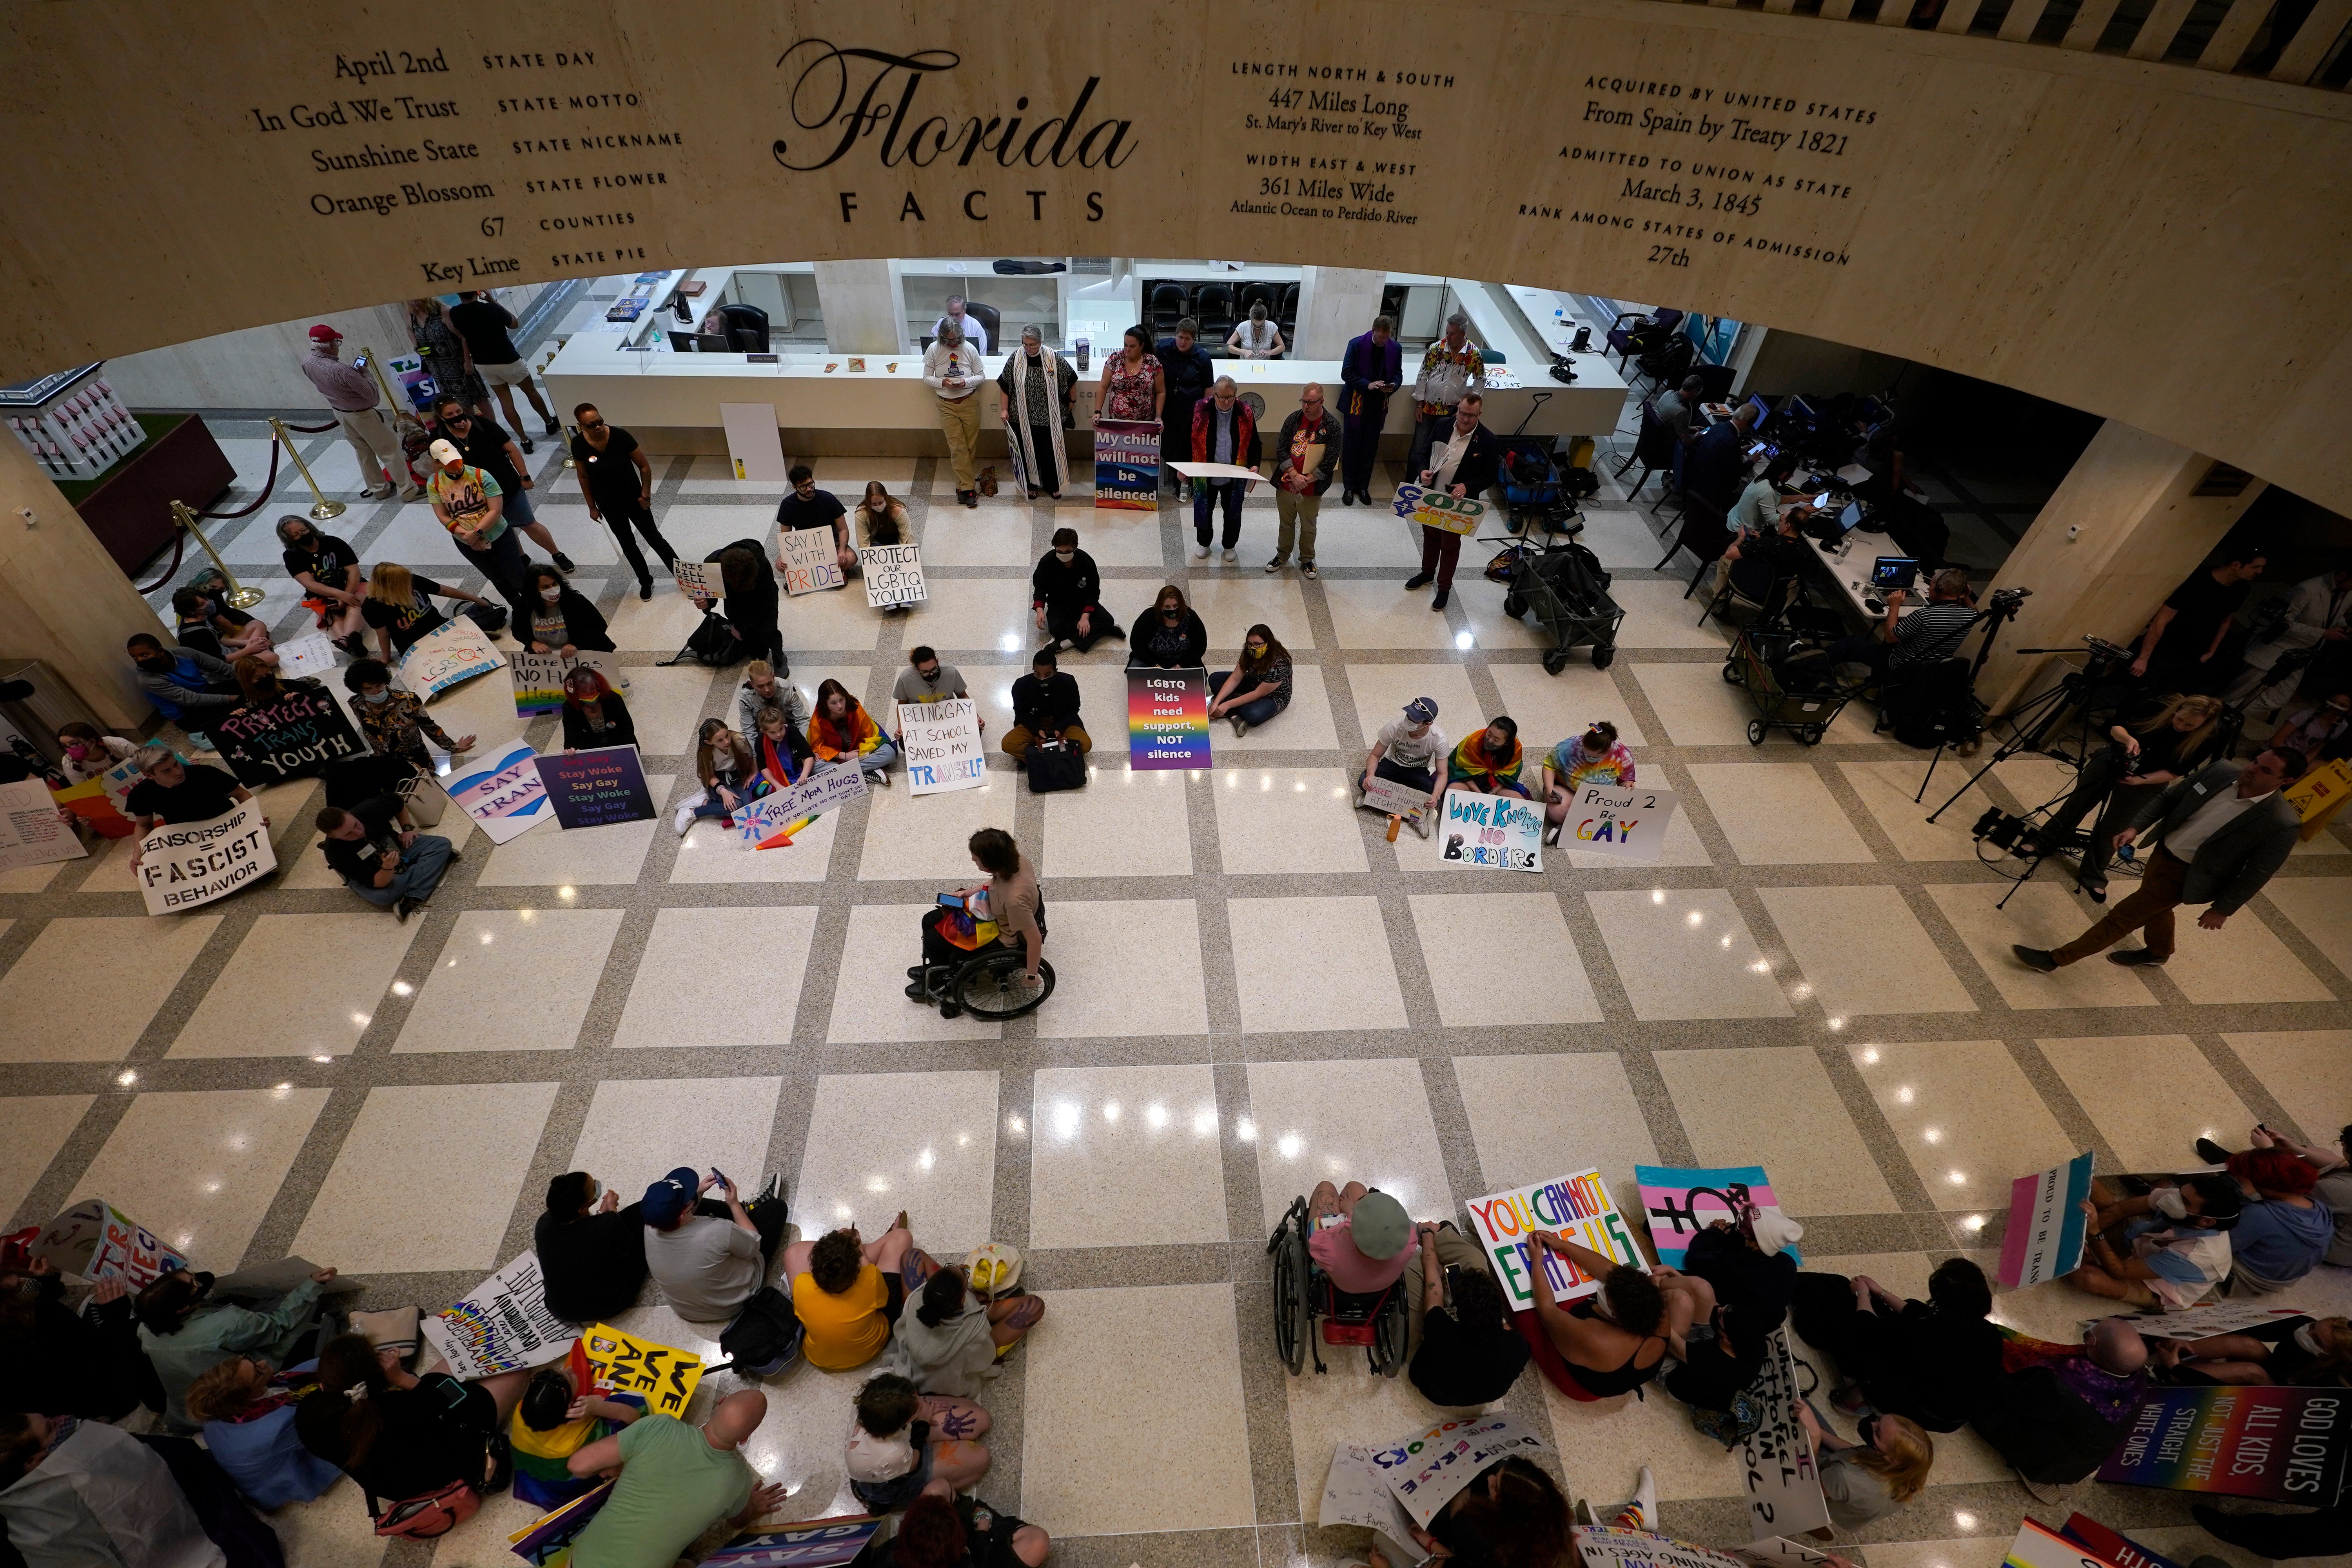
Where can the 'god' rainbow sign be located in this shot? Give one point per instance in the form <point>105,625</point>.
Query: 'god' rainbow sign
<point>1579,1208</point>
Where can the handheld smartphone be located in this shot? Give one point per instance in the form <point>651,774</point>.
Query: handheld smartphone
<point>718,1175</point>
<point>360,361</point>
<point>950,901</point>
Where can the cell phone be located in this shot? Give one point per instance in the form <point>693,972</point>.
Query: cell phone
<point>950,901</point>
<point>358,361</point>
<point>718,1175</point>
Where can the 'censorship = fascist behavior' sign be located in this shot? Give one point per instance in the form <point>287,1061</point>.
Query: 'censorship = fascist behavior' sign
<point>1628,823</point>
<point>293,739</point>
<point>940,742</point>
<point>1436,509</point>
<point>773,817</point>
<point>1578,1206</point>
<point>503,795</point>
<point>1167,719</point>
<point>2046,1224</point>
<point>501,1325</point>
<point>1496,831</point>
<point>2284,1444</point>
<point>538,676</point>
<point>597,788</point>
<point>893,575</point>
<point>811,561</point>
<point>192,863</point>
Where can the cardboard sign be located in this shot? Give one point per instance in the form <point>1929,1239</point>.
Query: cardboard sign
<point>597,788</point>
<point>96,800</point>
<point>454,651</point>
<point>2046,1224</point>
<point>2108,1547</point>
<point>699,577</point>
<point>501,1325</point>
<point>770,819</point>
<point>1167,719</point>
<point>1394,799</point>
<point>1680,1201</point>
<point>2038,1546</point>
<point>2202,1322</point>
<point>193,863</point>
<point>293,739</point>
<point>940,742</point>
<point>1578,1206</point>
<point>30,833</point>
<point>664,1374</point>
<point>1492,832</point>
<point>1428,1470</point>
<point>819,1543</point>
<point>548,1539</point>
<point>1629,823</point>
<point>1356,1491</point>
<point>2282,1445</point>
<point>811,565</point>
<point>1126,465</point>
<point>538,676</point>
<point>503,795</point>
<point>1611,1546</point>
<point>1436,509</point>
<point>1249,477</point>
<point>893,575</point>
<point>1784,1490</point>
<point>93,1239</point>
<point>309,655</point>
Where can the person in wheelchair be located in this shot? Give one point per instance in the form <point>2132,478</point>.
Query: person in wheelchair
<point>1009,908</point>
<point>2169,737</point>
<point>1362,1237</point>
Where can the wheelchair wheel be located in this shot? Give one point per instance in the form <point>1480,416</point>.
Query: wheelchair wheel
<point>991,987</point>
<point>1292,1320</point>
<point>1390,1332</point>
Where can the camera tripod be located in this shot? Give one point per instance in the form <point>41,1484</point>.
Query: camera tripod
<point>2032,723</point>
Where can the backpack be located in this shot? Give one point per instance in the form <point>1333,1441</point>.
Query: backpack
<point>765,1336</point>
<point>1730,1428</point>
<point>1578,483</point>
<point>714,642</point>
<point>491,618</point>
<point>1054,765</point>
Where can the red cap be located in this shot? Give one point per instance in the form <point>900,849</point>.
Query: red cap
<point>323,333</point>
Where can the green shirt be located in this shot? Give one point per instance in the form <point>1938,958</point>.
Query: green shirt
<point>674,1485</point>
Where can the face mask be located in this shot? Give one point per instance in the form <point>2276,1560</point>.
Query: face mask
<point>2308,1340</point>
<point>2169,1202</point>
<point>1257,651</point>
<point>551,594</point>
<point>1867,1430</point>
<point>76,750</point>
<point>1066,556</point>
<point>377,697</point>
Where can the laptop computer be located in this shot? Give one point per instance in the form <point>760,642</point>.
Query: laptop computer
<point>1890,571</point>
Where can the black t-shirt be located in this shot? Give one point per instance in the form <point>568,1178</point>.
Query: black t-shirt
<point>485,447</point>
<point>610,472</point>
<point>356,859</point>
<point>817,512</point>
<point>324,557</point>
<point>2198,607</point>
<point>431,1434</point>
<point>483,324</point>
<point>593,1265</point>
<point>204,794</point>
<point>407,622</point>
<point>1052,702</point>
<point>1458,1365</point>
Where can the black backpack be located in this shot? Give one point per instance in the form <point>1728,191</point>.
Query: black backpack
<point>714,642</point>
<point>765,1336</point>
<point>1055,766</point>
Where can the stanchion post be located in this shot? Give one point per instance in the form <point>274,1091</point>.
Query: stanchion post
<point>238,595</point>
<point>321,509</point>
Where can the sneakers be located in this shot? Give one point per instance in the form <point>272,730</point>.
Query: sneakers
<point>563,563</point>
<point>681,819</point>
<point>969,497</point>
<point>1306,570</point>
<point>1241,726</point>
<point>1419,580</point>
<point>2035,958</point>
<point>645,588</point>
<point>553,424</point>
<point>2135,958</point>
<point>370,493</point>
<point>528,444</point>
<point>2212,1154</point>
<point>199,743</point>
<point>773,1188</point>
<point>879,779</point>
<point>1422,824</point>
<point>1275,564</point>
<point>1200,552</point>
<point>1229,554</point>
<point>404,907</point>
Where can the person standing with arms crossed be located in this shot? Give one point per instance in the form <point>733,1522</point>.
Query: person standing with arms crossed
<point>619,486</point>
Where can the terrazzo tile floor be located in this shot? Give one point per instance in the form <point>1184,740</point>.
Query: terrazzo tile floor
<point>1258,991</point>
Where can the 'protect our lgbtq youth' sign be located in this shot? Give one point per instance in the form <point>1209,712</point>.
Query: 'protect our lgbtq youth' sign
<point>2046,1223</point>
<point>1629,823</point>
<point>193,863</point>
<point>2284,1445</point>
<point>1578,1206</point>
<point>893,575</point>
<point>1495,832</point>
<point>1680,1201</point>
<point>942,745</point>
<point>1167,719</point>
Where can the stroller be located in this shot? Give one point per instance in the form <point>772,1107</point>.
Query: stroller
<point>1532,483</point>
<point>1563,582</point>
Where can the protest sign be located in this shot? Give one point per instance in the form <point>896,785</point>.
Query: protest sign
<point>1779,1552</point>
<point>769,819</point>
<point>30,833</point>
<point>1127,464</point>
<point>538,676</point>
<point>1784,1490</point>
<point>1167,719</point>
<point>2044,1238</point>
<point>294,738</point>
<point>699,577</point>
<point>503,795</point>
<point>94,1239</point>
<point>452,652</point>
<point>1436,509</point>
<point>501,1325</point>
<point>597,788</point>
<point>97,801</point>
<point>312,653</point>
<point>893,575</point>
<point>120,780</point>
<point>2200,1322</point>
<point>1250,478</point>
<point>811,562</point>
<point>192,863</point>
<point>547,1540</point>
<point>2279,1444</point>
<point>818,1543</point>
<point>1628,824</point>
<point>1680,1201</point>
<point>1612,1546</point>
<point>2038,1546</point>
<point>1356,1491</point>
<point>1493,832</point>
<point>2104,1544</point>
<point>664,1375</point>
<point>1427,1469</point>
<point>1392,798</point>
<point>940,742</point>
<point>1579,1208</point>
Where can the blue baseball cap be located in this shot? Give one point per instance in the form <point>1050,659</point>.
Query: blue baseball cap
<point>671,1196</point>
<point>1420,710</point>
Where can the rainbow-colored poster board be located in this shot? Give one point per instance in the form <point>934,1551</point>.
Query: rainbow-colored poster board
<point>2107,1546</point>
<point>1579,1208</point>
<point>2046,1223</point>
<point>1680,1201</point>
<point>502,1324</point>
<point>1167,719</point>
<point>2038,1546</point>
<point>2282,1445</point>
<point>1127,464</point>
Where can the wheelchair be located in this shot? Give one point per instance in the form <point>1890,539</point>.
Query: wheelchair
<point>986,985</point>
<point>1380,1322</point>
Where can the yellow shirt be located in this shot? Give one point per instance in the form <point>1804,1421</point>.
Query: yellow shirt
<point>843,1330</point>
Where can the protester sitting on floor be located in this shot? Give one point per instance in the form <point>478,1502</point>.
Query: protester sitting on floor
<point>1511,1515</point>
<point>950,1344</point>
<point>1606,1354</point>
<point>327,569</point>
<point>1597,756</point>
<point>1469,1354</point>
<point>176,792</point>
<point>849,1291</point>
<point>246,1406</point>
<point>395,721</point>
<point>762,688</point>
<point>82,1494</point>
<point>186,1335</point>
<point>2170,737</point>
<point>1412,751</point>
<point>710,1258</point>
<point>926,680</point>
<point>2058,1410</point>
<point>1045,707</point>
<point>779,756</point>
<point>2318,730</point>
<point>1748,1276</point>
<point>2306,1352</point>
<point>675,1481</point>
<point>1066,589</point>
<point>189,687</point>
<point>723,763</point>
<point>592,1251</point>
<point>904,1444</point>
<point>2178,1236</point>
<point>1258,686</point>
<point>2284,1232</point>
<point>89,752</point>
<point>2333,1167</point>
<point>593,714</point>
<point>209,623</point>
<point>399,606</point>
<point>64,1362</point>
<point>1488,762</point>
<point>1369,1248</point>
<point>962,1532</point>
<point>1928,1361</point>
<point>383,859</point>
<point>842,731</point>
<point>260,687</point>
<point>1872,1479</point>
<point>1168,636</point>
<point>555,1420</point>
<point>1011,900</point>
<point>562,619</point>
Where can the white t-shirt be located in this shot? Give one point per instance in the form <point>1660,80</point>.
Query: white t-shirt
<point>1402,748</point>
<point>873,1458</point>
<point>1444,459</point>
<point>2183,842</point>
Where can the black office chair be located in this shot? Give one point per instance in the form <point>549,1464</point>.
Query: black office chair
<point>1264,294</point>
<point>747,328</point>
<point>1653,448</point>
<point>1705,532</point>
<point>1214,306</point>
<point>1666,364</point>
<point>1167,306</point>
<point>1715,381</point>
<point>1393,296</point>
<point>1287,317</point>
<point>987,316</point>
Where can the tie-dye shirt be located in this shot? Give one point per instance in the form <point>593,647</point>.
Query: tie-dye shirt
<point>1577,767</point>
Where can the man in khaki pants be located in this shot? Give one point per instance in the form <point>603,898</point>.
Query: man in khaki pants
<point>1305,455</point>
<point>953,368</point>
<point>350,391</point>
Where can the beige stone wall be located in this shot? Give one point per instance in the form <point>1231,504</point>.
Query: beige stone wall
<point>2161,245</point>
